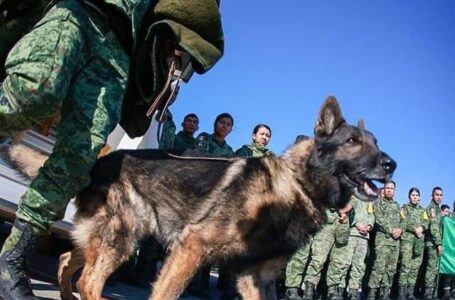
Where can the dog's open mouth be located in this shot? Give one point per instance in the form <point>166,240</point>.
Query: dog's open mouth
<point>363,188</point>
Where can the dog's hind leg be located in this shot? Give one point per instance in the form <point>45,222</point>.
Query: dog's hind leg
<point>180,266</point>
<point>69,263</point>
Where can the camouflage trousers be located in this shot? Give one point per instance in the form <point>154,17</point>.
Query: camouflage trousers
<point>296,267</point>
<point>384,266</point>
<point>410,264</point>
<point>73,62</point>
<point>355,255</point>
<point>432,266</point>
<point>324,242</point>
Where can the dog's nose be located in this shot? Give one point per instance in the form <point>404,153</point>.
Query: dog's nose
<point>387,163</point>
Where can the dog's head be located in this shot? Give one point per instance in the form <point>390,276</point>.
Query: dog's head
<point>348,157</point>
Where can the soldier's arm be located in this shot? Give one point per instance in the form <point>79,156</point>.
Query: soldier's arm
<point>435,231</point>
<point>382,221</point>
<point>168,133</point>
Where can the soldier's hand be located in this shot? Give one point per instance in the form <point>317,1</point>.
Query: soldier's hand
<point>439,250</point>
<point>419,232</point>
<point>360,228</point>
<point>396,233</point>
<point>342,217</point>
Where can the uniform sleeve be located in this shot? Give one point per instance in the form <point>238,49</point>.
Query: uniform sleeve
<point>404,220</point>
<point>425,220</point>
<point>244,151</point>
<point>382,220</point>
<point>168,133</point>
<point>435,230</point>
<point>369,216</point>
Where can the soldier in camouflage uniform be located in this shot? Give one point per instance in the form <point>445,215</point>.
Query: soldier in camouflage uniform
<point>415,222</point>
<point>184,139</point>
<point>331,240</point>
<point>362,223</point>
<point>77,57</point>
<point>261,137</point>
<point>295,271</point>
<point>433,243</point>
<point>215,143</point>
<point>386,245</point>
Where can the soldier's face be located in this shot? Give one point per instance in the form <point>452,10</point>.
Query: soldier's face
<point>223,127</point>
<point>414,198</point>
<point>190,125</point>
<point>389,190</point>
<point>262,136</point>
<point>437,196</point>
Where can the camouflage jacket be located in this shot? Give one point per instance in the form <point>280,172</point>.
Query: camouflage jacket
<point>433,236</point>
<point>387,214</point>
<point>413,216</point>
<point>207,143</point>
<point>363,212</point>
<point>183,142</point>
<point>252,150</point>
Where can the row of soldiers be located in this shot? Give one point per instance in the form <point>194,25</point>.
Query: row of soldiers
<point>361,245</point>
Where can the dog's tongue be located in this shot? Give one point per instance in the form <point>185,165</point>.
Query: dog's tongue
<point>370,188</point>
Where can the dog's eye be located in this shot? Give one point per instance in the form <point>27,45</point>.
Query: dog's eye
<point>351,141</point>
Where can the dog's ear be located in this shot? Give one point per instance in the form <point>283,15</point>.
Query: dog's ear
<point>361,123</point>
<point>329,118</point>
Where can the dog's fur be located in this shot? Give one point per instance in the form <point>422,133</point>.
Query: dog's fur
<point>251,214</point>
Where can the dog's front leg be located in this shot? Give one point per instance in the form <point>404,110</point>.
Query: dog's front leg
<point>180,266</point>
<point>69,263</point>
<point>258,282</point>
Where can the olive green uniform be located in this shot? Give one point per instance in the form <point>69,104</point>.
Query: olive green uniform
<point>386,248</point>
<point>252,150</point>
<point>357,248</point>
<point>411,249</point>
<point>208,143</point>
<point>433,239</point>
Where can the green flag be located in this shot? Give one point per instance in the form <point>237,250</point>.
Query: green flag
<point>447,263</point>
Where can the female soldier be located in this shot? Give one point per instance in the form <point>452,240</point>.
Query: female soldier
<point>412,243</point>
<point>261,137</point>
<point>215,143</point>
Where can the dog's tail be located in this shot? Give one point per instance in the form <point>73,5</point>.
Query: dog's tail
<point>23,159</point>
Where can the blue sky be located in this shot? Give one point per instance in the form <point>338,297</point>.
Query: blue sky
<point>389,62</point>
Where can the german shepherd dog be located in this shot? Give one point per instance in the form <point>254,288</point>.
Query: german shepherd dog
<point>251,214</point>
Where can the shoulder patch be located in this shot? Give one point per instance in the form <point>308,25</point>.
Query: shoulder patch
<point>370,208</point>
<point>403,212</point>
<point>425,215</point>
<point>202,139</point>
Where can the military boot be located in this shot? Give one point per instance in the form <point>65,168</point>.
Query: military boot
<point>372,294</point>
<point>384,293</point>
<point>446,293</point>
<point>292,294</point>
<point>353,294</point>
<point>308,293</point>
<point>410,293</point>
<point>335,293</point>
<point>428,294</point>
<point>402,290</point>
<point>14,284</point>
